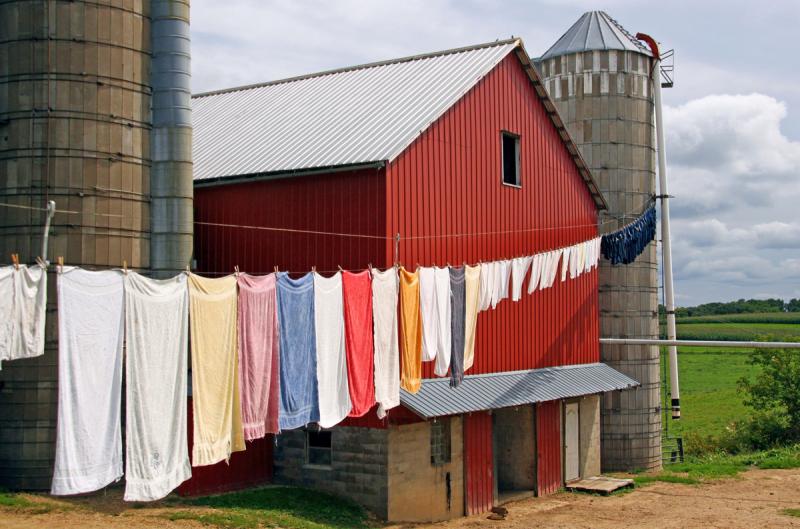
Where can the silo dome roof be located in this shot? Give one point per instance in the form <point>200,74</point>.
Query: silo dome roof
<point>595,30</point>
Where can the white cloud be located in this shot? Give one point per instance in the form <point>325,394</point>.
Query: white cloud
<point>736,181</point>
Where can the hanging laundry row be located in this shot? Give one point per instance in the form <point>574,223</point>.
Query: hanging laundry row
<point>268,353</point>
<point>627,243</point>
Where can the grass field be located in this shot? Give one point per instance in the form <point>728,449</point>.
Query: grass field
<point>710,399</point>
<point>753,317</point>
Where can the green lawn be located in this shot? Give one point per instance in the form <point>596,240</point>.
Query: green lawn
<point>710,399</point>
<point>284,507</point>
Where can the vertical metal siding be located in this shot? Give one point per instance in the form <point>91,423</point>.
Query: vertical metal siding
<point>478,463</point>
<point>245,469</point>
<point>449,182</point>
<point>548,447</point>
<point>346,202</point>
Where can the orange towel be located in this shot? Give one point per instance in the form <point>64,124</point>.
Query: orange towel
<point>411,331</point>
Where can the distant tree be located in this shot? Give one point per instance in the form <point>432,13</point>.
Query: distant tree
<point>776,388</point>
<point>739,306</point>
<point>793,305</point>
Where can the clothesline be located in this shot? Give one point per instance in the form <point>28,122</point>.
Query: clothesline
<point>34,208</point>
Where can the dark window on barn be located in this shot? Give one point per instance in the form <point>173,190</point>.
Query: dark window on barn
<point>440,442</point>
<point>318,448</point>
<point>510,159</point>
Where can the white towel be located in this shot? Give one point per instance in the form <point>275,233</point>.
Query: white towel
<point>387,347</point>
<point>443,354</point>
<point>88,440</point>
<point>334,392</point>
<point>23,302</point>
<point>550,268</point>
<point>6,310</point>
<point>157,337</point>
<point>567,255</point>
<point>503,278</point>
<point>485,300</point>
<point>519,268</point>
<point>430,315</point>
<point>497,282</point>
<point>536,272</point>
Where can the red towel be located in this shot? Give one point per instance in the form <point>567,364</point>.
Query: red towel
<point>358,338</point>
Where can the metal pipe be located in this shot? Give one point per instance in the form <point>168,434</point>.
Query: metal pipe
<point>666,245</point>
<point>673,343</point>
<point>51,210</point>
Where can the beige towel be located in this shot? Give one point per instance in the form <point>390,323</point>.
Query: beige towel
<point>215,382</point>
<point>472,275</point>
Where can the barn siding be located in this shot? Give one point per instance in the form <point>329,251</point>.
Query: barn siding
<point>448,182</point>
<point>548,443</point>
<point>478,463</point>
<point>344,202</point>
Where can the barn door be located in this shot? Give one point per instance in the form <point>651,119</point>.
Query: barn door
<point>478,457</point>
<point>572,458</point>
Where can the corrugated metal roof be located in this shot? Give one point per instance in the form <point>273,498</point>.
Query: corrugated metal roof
<point>351,116</point>
<point>500,390</point>
<point>595,30</point>
<point>358,116</point>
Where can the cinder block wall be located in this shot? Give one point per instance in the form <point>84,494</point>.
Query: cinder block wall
<point>417,489</point>
<point>358,465</point>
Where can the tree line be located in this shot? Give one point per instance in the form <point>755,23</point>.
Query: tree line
<point>741,306</point>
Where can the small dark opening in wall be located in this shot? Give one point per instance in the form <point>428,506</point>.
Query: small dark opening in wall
<point>510,159</point>
<point>318,447</point>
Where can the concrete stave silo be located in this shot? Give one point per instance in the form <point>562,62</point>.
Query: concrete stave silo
<point>76,126</point>
<point>599,78</point>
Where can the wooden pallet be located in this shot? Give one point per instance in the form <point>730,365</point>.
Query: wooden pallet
<point>599,484</point>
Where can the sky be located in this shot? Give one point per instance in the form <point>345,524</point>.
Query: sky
<point>732,120</point>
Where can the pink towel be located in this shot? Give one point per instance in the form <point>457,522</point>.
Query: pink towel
<point>358,340</point>
<point>259,377</point>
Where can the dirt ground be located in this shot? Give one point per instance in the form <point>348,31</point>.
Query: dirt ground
<point>756,499</point>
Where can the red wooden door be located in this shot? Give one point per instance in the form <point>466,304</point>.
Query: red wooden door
<point>478,463</point>
<point>548,443</point>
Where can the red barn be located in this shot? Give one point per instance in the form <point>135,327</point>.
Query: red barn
<point>449,157</point>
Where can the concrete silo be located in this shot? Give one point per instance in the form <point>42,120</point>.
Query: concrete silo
<point>599,78</point>
<point>77,127</point>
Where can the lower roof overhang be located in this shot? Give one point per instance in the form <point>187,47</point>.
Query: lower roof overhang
<point>512,388</point>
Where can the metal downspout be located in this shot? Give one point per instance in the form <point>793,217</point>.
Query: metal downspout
<point>666,245</point>
<point>171,192</point>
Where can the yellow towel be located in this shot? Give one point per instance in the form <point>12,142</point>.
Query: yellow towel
<point>472,275</point>
<point>215,382</point>
<point>411,330</point>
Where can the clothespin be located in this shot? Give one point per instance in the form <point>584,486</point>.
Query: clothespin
<point>276,269</point>
<point>313,268</point>
<point>236,270</point>
<point>188,271</point>
<point>369,267</point>
<point>340,268</point>
<point>60,263</point>
<point>125,267</point>
<point>41,262</point>
<point>15,260</point>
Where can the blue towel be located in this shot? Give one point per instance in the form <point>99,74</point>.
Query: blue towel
<point>299,394</point>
